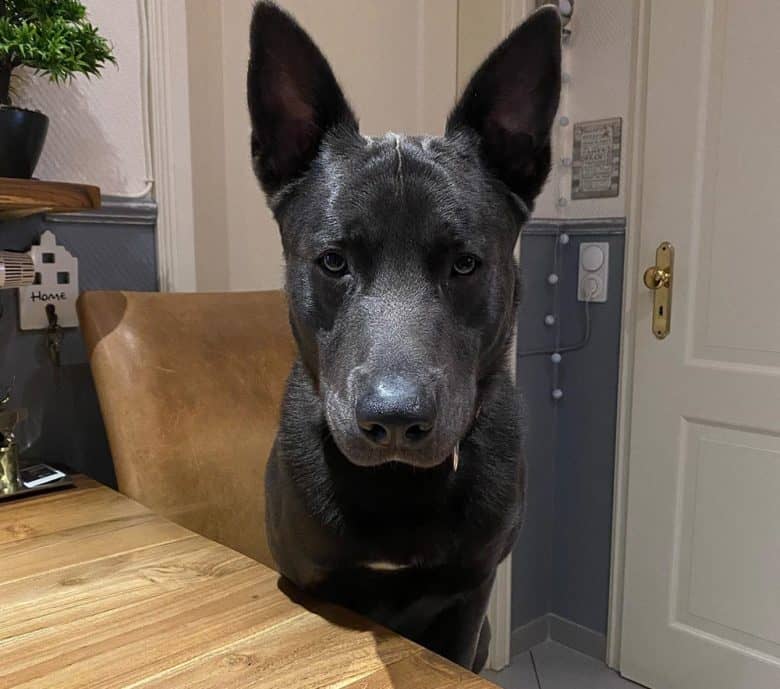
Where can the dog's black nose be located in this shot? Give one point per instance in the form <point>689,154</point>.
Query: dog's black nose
<point>396,412</point>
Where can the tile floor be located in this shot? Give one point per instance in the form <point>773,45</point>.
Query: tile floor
<point>557,667</point>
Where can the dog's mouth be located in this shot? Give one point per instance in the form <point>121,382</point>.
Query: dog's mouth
<point>452,460</point>
<point>359,456</point>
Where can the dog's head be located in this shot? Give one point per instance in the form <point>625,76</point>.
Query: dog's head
<point>399,250</point>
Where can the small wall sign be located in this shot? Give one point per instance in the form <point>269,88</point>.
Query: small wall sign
<point>596,159</point>
<point>56,283</point>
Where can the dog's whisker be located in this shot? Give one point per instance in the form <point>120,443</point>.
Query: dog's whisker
<point>455,457</point>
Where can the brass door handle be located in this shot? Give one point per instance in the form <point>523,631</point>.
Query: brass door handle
<point>656,277</point>
<point>659,279</point>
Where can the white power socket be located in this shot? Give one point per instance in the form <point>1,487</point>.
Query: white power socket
<point>56,283</point>
<point>593,271</point>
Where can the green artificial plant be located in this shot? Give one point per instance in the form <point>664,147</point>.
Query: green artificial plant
<point>52,37</point>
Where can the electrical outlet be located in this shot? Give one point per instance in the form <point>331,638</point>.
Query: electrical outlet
<point>56,283</point>
<point>593,272</point>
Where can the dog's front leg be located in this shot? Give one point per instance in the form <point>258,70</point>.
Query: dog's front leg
<point>455,632</point>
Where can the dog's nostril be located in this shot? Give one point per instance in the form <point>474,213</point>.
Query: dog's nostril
<point>376,432</point>
<point>396,412</point>
<point>417,432</point>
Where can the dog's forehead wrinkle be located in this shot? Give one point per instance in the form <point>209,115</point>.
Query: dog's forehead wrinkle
<point>399,171</point>
<point>383,166</point>
<point>448,200</point>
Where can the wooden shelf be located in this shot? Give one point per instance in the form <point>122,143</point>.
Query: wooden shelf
<point>22,197</point>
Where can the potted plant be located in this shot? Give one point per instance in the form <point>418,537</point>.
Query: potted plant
<point>55,39</point>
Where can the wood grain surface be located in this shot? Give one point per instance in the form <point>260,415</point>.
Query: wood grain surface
<point>97,591</point>
<point>22,197</point>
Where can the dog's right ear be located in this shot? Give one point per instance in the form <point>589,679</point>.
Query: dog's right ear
<point>293,97</point>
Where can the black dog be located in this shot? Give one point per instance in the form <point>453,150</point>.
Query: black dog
<point>395,486</point>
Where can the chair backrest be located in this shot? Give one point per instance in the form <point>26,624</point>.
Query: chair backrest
<point>190,387</point>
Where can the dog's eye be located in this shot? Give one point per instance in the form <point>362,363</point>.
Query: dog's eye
<point>465,264</point>
<point>333,262</point>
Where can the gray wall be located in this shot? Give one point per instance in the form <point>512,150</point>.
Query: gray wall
<point>561,561</point>
<point>116,250</point>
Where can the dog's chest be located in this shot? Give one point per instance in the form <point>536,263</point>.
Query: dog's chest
<point>399,595</point>
<point>385,566</point>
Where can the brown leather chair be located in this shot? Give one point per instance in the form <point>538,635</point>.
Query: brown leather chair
<point>190,387</point>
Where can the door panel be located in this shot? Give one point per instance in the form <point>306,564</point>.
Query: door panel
<point>739,181</point>
<point>702,579</point>
<point>730,517</point>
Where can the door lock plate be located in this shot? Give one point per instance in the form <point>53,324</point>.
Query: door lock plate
<point>658,278</point>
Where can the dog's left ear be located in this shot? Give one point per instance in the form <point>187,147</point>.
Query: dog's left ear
<point>511,101</point>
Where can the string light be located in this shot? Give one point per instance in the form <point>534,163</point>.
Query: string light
<point>561,183</point>
<point>563,179</point>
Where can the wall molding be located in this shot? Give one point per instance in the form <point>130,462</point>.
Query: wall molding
<point>114,210</point>
<point>169,110</point>
<point>499,610</point>
<point>499,615</point>
<point>574,226</point>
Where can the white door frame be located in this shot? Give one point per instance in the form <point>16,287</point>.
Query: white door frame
<point>628,328</point>
<point>164,24</point>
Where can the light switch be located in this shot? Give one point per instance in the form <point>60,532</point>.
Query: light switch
<point>593,271</point>
<point>592,258</point>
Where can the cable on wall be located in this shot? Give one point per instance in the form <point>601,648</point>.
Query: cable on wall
<point>145,104</point>
<point>562,157</point>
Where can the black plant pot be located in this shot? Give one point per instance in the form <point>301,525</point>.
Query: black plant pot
<point>22,133</point>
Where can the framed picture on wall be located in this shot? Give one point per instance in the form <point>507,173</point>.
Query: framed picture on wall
<point>596,159</point>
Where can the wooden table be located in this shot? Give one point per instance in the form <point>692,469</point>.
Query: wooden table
<point>97,591</point>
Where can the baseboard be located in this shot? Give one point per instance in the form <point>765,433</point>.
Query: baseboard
<point>529,635</point>
<point>577,637</point>
<point>558,629</point>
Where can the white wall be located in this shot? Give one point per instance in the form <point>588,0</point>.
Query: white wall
<point>598,58</point>
<point>410,47</point>
<point>394,58</point>
<point>207,131</point>
<point>96,126</point>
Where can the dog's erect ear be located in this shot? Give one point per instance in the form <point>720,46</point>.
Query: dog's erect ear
<point>511,101</point>
<point>294,99</point>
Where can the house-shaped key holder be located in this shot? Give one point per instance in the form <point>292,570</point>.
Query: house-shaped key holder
<point>56,284</point>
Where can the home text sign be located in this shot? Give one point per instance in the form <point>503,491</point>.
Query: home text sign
<point>596,159</point>
<point>56,283</point>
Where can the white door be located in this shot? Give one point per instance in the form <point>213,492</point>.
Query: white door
<point>701,605</point>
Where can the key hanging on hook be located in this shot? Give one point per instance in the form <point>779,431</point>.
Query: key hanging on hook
<point>54,335</point>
